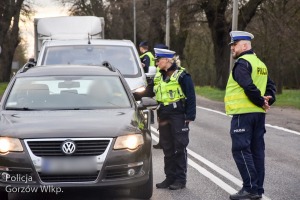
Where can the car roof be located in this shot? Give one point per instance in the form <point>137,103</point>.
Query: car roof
<point>54,70</point>
<point>92,42</point>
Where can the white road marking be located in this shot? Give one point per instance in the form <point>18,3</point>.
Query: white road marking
<point>211,110</point>
<point>206,173</point>
<point>283,129</point>
<point>216,168</point>
<point>212,177</point>
<point>267,125</point>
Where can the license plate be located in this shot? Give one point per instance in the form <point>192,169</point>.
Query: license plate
<point>69,165</point>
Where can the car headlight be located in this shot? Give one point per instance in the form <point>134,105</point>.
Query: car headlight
<point>129,141</point>
<point>10,144</point>
<point>140,89</point>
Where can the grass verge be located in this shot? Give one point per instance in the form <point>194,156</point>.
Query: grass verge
<point>210,93</point>
<point>288,98</point>
<point>3,86</point>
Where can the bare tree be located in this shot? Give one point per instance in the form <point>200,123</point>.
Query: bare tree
<point>276,27</point>
<point>10,11</point>
<point>216,14</point>
<point>151,21</point>
<point>220,27</point>
<point>200,32</point>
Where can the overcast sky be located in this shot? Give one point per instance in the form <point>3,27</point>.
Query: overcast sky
<point>44,8</point>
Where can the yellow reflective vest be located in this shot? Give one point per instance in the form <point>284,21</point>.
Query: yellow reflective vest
<point>167,92</point>
<point>151,57</point>
<point>236,101</point>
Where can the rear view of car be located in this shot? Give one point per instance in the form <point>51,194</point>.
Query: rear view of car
<point>119,53</point>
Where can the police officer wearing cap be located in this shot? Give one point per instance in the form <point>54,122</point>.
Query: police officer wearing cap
<point>159,46</point>
<point>147,57</point>
<point>174,90</point>
<point>249,94</point>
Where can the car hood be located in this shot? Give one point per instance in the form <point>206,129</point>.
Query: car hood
<point>61,124</point>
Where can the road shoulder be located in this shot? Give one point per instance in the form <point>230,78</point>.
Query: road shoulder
<point>277,116</point>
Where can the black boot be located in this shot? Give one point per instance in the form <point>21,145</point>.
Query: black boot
<point>165,184</point>
<point>157,146</point>
<point>243,194</point>
<point>177,185</point>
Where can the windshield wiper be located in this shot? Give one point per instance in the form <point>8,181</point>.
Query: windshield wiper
<point>19,108</point>
<point>76,108</point>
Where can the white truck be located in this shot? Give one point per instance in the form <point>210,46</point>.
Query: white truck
<point>62,28</point>
<point>79,40</point>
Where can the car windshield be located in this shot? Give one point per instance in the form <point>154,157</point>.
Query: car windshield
<point>68,93</point>
<point>121,57</point>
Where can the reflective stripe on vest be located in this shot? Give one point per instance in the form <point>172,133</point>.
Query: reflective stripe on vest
<point>236,101</point>
<point>151,57</point>
<point>170,91</point>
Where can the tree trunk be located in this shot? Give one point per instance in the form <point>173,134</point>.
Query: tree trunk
<point>153,9</point>
<point>156,33</point>
<point>222,55</point>
<point>11,40</point>
<point>220,28</point>
<point>6,12</point>
<point>180,35</point>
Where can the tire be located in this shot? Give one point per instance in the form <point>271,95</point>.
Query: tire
<point>3,195</point>
<point>144,191</point>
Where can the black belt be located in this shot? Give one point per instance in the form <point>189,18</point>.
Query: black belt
<point>174,104</point>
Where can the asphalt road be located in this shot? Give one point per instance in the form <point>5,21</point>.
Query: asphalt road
<point>212,174</point>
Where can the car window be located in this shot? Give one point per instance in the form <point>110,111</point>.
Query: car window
<point>67,92</point>
<point>121,57</point>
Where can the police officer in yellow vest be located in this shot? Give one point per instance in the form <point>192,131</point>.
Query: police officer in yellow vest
<point>174,90</point>
<point>249,94</point>
<point>156,81</point>
<point>147,57</point>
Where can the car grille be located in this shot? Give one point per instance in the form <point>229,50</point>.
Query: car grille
<point>69,177</point>
<point>53,148</point>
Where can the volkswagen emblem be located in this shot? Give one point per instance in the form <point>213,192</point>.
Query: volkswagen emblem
<point>68,147</point>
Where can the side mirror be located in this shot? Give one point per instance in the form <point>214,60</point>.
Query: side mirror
<point>152,71</point>
<point>31,63</point>
<point>147,103</point>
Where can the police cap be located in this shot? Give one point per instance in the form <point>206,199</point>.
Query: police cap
<point>240,35</point>
<point>144,44</point>
<point>164,53</point>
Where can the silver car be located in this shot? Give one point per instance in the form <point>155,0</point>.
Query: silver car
<point>122,54</point>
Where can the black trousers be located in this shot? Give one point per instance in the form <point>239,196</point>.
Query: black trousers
<point>248,149</point>
<point>174,138</point>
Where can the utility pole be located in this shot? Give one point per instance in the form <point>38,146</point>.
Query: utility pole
<point>134,22</point>
<point>168,24</point>
<point>235,10</point>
